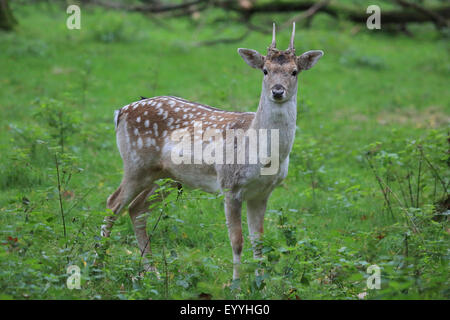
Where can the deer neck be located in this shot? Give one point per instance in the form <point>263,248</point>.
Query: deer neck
<point>280,116</point>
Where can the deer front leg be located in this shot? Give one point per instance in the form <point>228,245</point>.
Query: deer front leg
<point>255,219</point>
<point>233,209</point>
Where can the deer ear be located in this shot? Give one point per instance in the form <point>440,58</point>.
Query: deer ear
<point>252,57</point>
<point>309,59</point>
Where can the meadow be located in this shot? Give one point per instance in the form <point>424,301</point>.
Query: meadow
<point>367,184</point>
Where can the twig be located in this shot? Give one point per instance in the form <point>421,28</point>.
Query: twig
<point>83,224</point>
<point>166,278</point>
<point>151,234</point>
<point>408,218</point>
<point>81,199</point>
<point>410,188</point>
<point>380,183</point>
<point>60,198</point>
<point>401,188</point>
<point>434,189</point>
<point>418,183</point>
<point>436,174</point>
<point>415,229</point>
<point>61,131</point>
<point>154,227</point>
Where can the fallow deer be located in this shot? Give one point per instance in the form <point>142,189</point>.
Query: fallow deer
<point>144,129</point>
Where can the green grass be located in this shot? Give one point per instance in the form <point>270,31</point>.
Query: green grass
<point>372,94</point>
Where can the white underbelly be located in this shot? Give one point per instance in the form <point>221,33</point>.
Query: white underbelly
<point>197,176</point>
<point>194,177</point>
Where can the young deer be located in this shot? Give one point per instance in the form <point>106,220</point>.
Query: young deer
<point>144,137</point>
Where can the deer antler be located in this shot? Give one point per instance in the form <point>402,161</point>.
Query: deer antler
<point>291,44</point>
<point>273,44</point>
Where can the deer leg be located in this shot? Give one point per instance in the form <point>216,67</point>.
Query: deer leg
<point>116,202</point>
<point>233,209</point>
<point>255,219</point>
<point>137,209</point>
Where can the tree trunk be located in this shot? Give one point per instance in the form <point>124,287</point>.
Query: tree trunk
<point>7,20</point>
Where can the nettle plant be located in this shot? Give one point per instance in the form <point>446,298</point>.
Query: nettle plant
<point>413,178</point>
<point>412,174</point>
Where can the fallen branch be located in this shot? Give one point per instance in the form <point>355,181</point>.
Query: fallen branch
<point>151,8</point>
<point>225,40</point>
<point>438,20</point>
<point>358,16</point>
<point>308,14</point>
<point>411,12</point>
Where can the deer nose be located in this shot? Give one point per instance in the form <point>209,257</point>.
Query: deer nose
<point>277,91</point>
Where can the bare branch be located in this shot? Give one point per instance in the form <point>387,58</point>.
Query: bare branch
<point>151,8</point>
<point>225,40</point>
<point>307,14</point>
<point>437,19</point>
<point>335,10</point>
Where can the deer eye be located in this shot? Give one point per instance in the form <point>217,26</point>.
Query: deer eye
<point>294,73</point>
<point>265,71</point>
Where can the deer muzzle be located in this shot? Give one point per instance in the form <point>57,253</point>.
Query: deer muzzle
<point>278,92</point>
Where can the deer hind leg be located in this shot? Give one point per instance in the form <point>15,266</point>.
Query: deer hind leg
<point>117,202</point>
<point>137,209</point>
<point>233,210</point>
<point>113,203</point>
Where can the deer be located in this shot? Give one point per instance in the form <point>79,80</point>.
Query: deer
<point>143,136</point>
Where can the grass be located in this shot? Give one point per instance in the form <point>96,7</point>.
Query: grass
<point>373,98</point>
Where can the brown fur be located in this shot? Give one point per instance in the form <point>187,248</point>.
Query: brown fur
<point>232,119</point>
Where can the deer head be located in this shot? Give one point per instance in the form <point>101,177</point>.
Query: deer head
<point>280,67</point>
